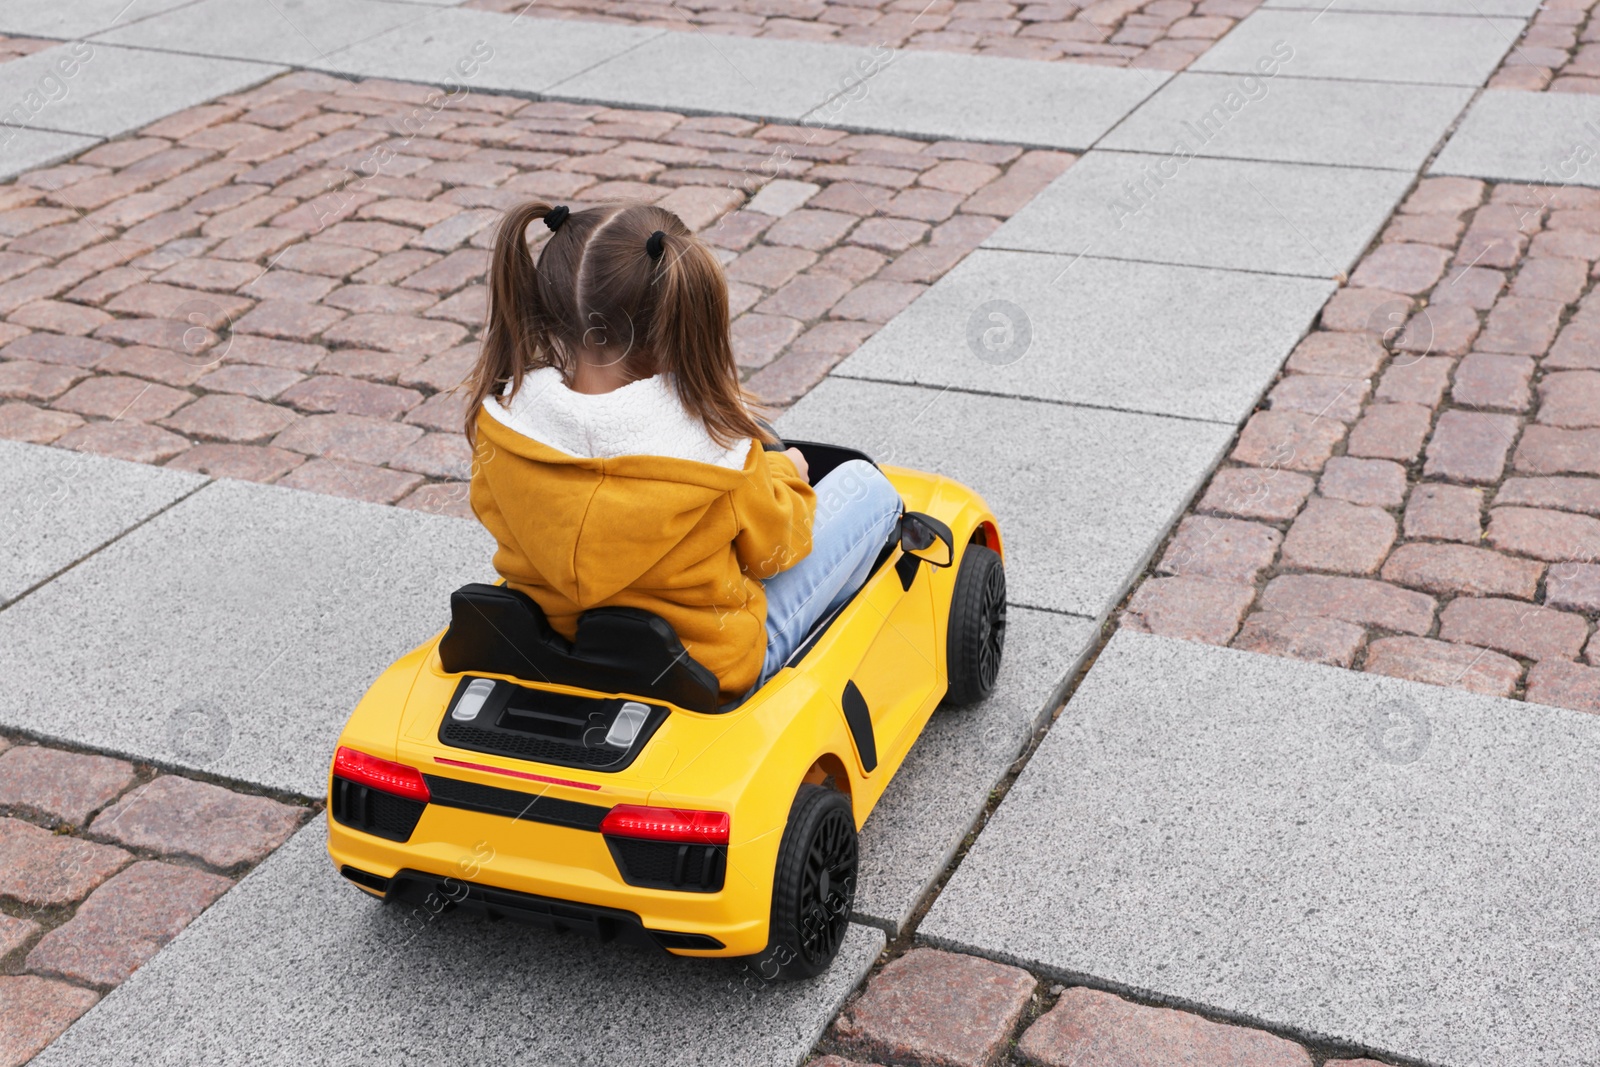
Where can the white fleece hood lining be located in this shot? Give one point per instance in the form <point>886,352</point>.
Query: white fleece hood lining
<point>643,418</point>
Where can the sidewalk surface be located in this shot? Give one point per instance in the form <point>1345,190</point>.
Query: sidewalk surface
<point>1267,329</point>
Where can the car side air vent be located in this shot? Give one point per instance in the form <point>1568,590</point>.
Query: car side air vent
<point>561,729</point>
<point>372,811</point>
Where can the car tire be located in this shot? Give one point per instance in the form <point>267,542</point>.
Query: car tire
<point>813,888</point>
<point>977,635</point>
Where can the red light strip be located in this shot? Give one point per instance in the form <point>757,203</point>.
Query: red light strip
<point>513,774</point>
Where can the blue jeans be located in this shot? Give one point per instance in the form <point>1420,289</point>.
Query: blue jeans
<point>857,509</point>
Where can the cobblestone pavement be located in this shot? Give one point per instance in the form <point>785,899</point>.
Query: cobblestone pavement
<point>934,1007</point>
<point>1417,495</point>
<point>235,291</point>
<point>102,862</point>
<point>1559,52</point>
<point>17,47</point>
<point>1159,34</point>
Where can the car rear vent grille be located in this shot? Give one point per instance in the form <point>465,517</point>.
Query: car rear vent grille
<point>515,804</point>
<point>544,726</point>
<point>381,814</point>
<point>531,747</point>
<point>669,865</point>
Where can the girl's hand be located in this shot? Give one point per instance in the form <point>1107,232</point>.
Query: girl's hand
<point>799,462</point>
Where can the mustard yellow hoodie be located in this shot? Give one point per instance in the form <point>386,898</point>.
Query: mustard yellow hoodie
<point>686,540</point>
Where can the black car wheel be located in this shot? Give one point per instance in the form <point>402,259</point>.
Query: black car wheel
<point>814,888</point>
<point>977,636</point>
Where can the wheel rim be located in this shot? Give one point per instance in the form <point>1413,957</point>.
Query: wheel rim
<point>993,642</point>
<point>828,887</point>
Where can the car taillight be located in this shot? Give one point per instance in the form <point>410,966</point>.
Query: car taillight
<point>381,774</point>
<point>667,824</point>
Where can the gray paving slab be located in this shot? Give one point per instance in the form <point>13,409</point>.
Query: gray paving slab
<point>1459,8</point>
<point>714,73</point>
<point>1518,136</point>
<point>1402,867</point>
<point>114,90</point>
<point>1438,50</point>
<point>296,967</point>
<point>990,98</point>
<point>22,149</point>
<point>80,18</point>
<point>1292,120</point>
<point>1082,495</point>
<point>1278,218</point>
<point>962,754</point>
<point>59,506</point>
<point>1188,341</point>
<point>486,50</point>
<point>297,32</point>
<point>233,633</point>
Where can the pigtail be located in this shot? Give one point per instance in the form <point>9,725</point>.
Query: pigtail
<point>689,336</point>
<point>516,321</point>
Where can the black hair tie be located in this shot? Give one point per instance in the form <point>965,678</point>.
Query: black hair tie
<point>655,246</point>
<point>556,216</point>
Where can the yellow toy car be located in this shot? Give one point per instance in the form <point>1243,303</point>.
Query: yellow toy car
<point>596,785</point>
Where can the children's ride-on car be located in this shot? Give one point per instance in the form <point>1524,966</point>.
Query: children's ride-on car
<point>597,785</point>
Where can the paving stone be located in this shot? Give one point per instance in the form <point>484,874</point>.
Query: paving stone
<point>1357,600</point>
<point>1418,381</point>
<point>179,816</point>
<point>1564,685</point>
<point>1347,355</point>
<point>1281,218</point>
<point>1091,1028</point>
<point>240,987</point>
<point>230,418</point>
<point>125,922</point>
<point>989,98</point>
<point>1521,136</point>
<point>24,422</point>
<point>296,32</point>
<point>1401,268</point>
<point>356,481</point>
<point>252,463</point>
<point>60,786</point>
<point>1254,493</point>
<point>1523,8</point>
<point>1367,47</point>
<point>1291,120</point>
<point>1076,555</point>
<point>36,1011</point>
<point>1195,609</point>
<point>1490,381</point>
<point>41,869</point>
<point>1575,586</point>
<point>1218,798</point>
<point>269,570</point>
<point>1520,629</point>
<point>1224,549</point>
<point>1304,637</point>
<point>1321,395</point>
<point>1570,494</point>
<point>1548,535</point>
<point>1287,439</point>
<point>1462,569</point>
<point>28,149</point>
<point>125,88</point>
<point>1143,337</point>
<point>1371,482</point>
<point>1470,446</point>
<point>937,1008</point>
<point>941,788</point>
<point>1570,399</point>
<point>1422,659</point>
<point>1547,450</point>
<point>14,933</point>
<point>1332,535</point>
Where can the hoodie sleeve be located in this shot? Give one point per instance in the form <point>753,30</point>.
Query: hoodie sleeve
<point>774,507</point>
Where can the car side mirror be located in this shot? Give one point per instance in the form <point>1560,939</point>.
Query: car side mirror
<point>927,538</point>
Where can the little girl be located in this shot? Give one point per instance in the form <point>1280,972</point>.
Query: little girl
<point>617,461</point>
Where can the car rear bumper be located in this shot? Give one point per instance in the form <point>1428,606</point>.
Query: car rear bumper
<point>548,875</point>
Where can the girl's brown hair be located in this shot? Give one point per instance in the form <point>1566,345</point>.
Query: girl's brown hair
<point>597,286</point>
